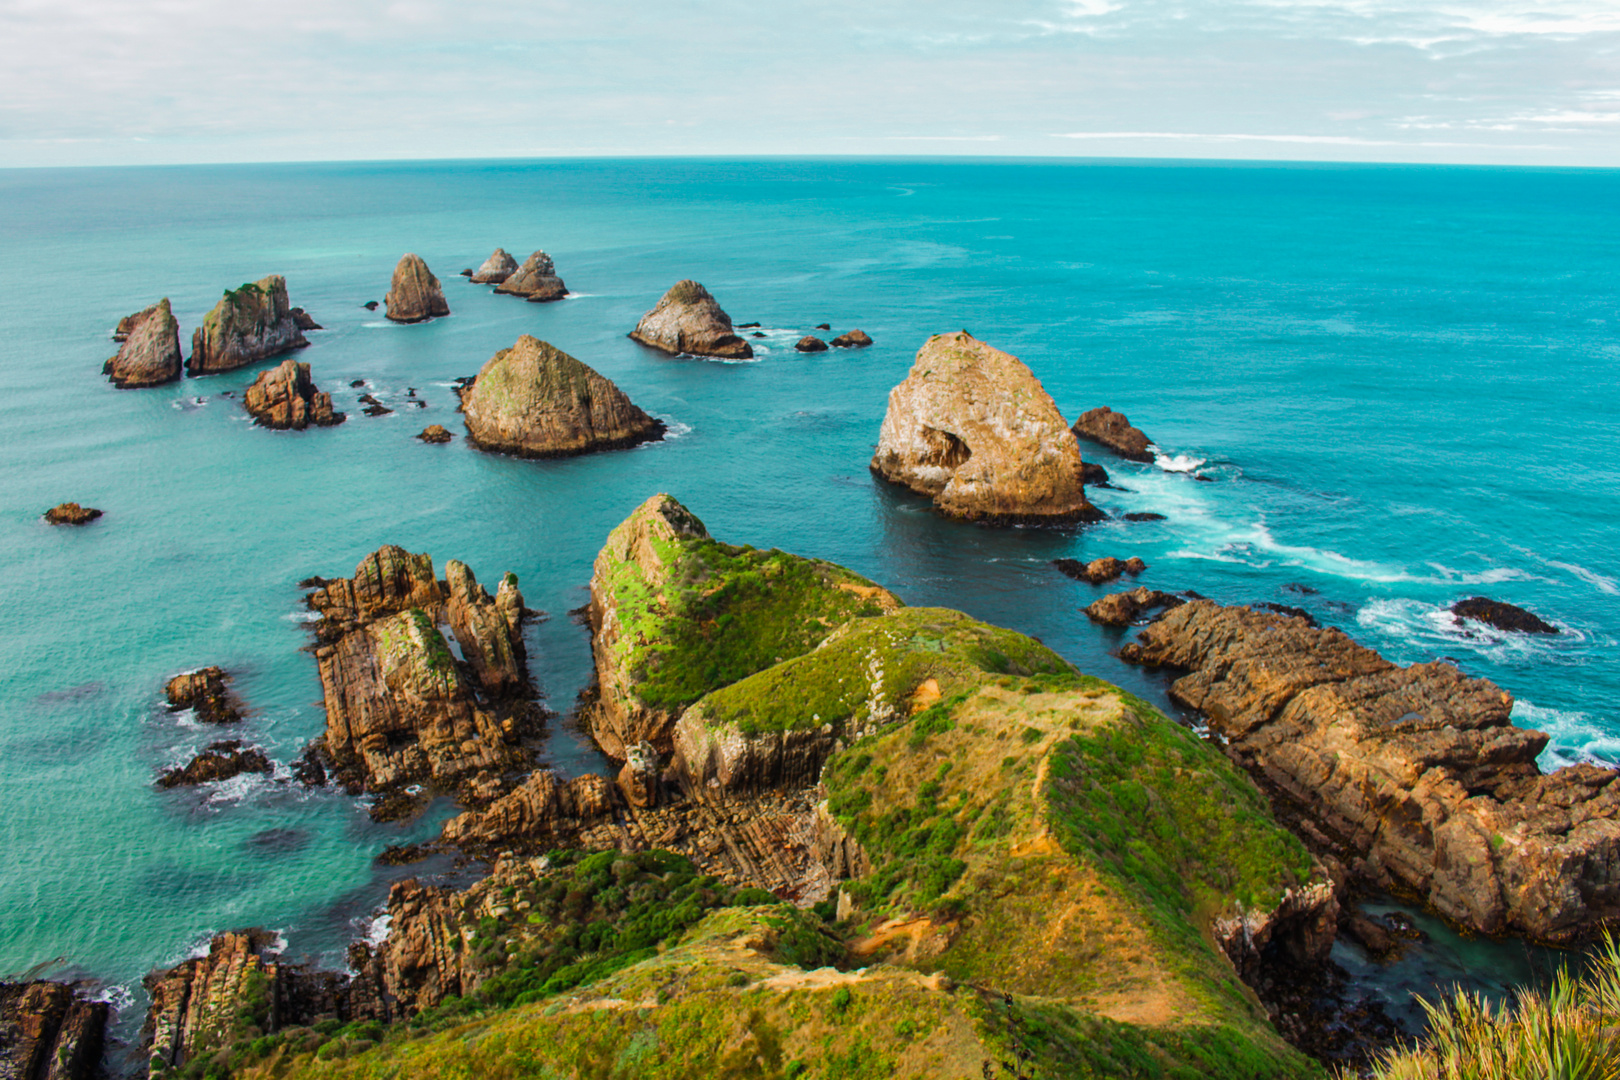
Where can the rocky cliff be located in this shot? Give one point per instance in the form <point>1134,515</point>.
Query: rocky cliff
<point>1105,427</point>
<point>150,354</point>
<point>249,324</point>
<point>972,428</point>
<point>535,280</point>
<point>689,320</point>
<point>496,269</point>
<point>48,1032</point>
<point>286,397</point>
<point>415,294</point>
<point>1415,778</point>
<point>537,401</point>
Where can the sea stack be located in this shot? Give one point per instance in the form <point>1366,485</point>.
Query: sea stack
<point>496,269</point>
<point>535,400</point>
<point>249,324</point>
<point>973,428</point>
<point>415,295</point>
<point>286,397</point>
<point>855,339</point>
<point>688,320</point>
<point>150,353</point>
<point>1106,427</point>
<point>535,280</point>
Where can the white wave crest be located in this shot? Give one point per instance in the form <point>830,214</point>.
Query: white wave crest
<point>305,616</point>
<point>377,932</point>
<point>673,429</point>
<point>117,995</point>
<point>1426,628</point>
<point>1576,737</point>
<point>1598,581</point>
<point>1178,463</point>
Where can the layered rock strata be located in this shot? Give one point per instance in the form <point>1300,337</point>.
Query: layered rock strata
<point>71,513</point>
<point>972,428</point>
<point>249,324</point>
<point>534,400</point>
<point>688,320</point>
<point>150,354</point>
<point>1414,777</point>
<point>206,692</point>
<point>535,280</point>
<point>1105,427</point>
<point>48,1032</point>
<point>286,398</point>
<point>415,294</point>
<point>496,269</point>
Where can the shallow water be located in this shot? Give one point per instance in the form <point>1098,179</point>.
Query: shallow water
<point>1402,380</point>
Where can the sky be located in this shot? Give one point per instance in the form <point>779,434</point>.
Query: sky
<point>101,82</point>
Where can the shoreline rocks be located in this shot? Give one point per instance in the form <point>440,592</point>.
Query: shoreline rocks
<point>71,513</point>
<point>534,400</point>
<point>688,320</point>
<point>150,354</point>
<point>49,1032</point>
<point>855,339</point>
<point>495,269</point>
<point>251,323</point>
<point>435,433</point>
<point>286,398</point>
<point>972,428</point>
<point>218,761</point>
<point>414,295</point>
<point>1495,613</point>
<point>536,280</point>
<point>1125,608</point>
<point>1100,571</point>
<point>207,693</point>
<point>1108,428</point>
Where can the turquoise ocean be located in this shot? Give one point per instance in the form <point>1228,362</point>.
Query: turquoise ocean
<point>1402,379</point>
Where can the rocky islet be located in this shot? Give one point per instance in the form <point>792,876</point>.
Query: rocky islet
<point>249,324</point>
<point>286,398</point>
<point>71,513</point>
<point>689,320</point>
<point>414,295</point>
<point>536,280</point>
<point>150,353</point>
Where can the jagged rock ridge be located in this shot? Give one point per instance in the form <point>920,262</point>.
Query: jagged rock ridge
<point>249,324</point>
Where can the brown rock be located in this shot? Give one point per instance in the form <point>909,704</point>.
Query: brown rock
<point>810,344</point>
<point>206,692</point>
<point>1099,571</point>
<point>304,321</point>
<point>415,294</point>
<point>206,1003</point>
<point>285,397</point>
<point>1095,475</point>
<point>535,400</point>
<point>1125,608</point>
<point>150,355</point>
<point>249,324</point>
<point>47,1032</point>
<point>1108,428</point>
<point>543,810</point>
<point>535,280</point>
<point>972,427</point>
<point>71,513</point>
<point>855,339</point>
<point>496,269</point>
<point>638,780</point>
<point>689,320</point>
<point>489,642</point>
<point>1501,616</point>
<point>219,761</point>
<point>435,433</point>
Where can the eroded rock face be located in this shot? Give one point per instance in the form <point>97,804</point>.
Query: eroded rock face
<point>415,294</point>
<point>855,339</point>
<point>150,354</point>
<point>487,629</point>
<point>535,400</point>
<point>1106,427</point>
<point>535,280</point>
<point>219,761</point>
<point>207,693</point>
<point>496,269</point>
<point>972,428</point>
<point>286,398</point>
<point>47,1032</point>
<point>689,320</point>
<point>1502,616</point>
<point>1413,777</point>
<point>207,1002</point>
<point>71,513</point>
<point>249,324</point>
<point>1125,608</point>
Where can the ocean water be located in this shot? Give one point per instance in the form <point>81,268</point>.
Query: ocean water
<point>1401,379</point>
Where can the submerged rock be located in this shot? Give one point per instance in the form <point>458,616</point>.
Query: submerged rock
<point>810,344</point>
<point>285,397</point>
<point>535,280</point>
<point>218,761</point>
<point>1095,475</point>
<point>1108,428</point>
<point>150,355</point>
<point>415,294</point>
<point>1502,616</point>
<point>973,428</point>
<point>249,324</point>
<point>435,433</point>
<point>207,693</point>
<point>71,513</point>
<point>48,1032</point>
<point>496,269</point>
<point>1144,516</point>
<point>855,339</point>
<point>1125,608</point>
<point>535,400</point>
<point>688,320</point>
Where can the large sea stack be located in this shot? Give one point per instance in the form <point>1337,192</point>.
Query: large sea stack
<point>535,280</point>
<point>972,427</point>
<point>286,397</point>
<point>249,324</point>
<point>537,401</point>
<point>688,320</point>
<point>150,354</point>
<point>1105,427</point>
<point>496,269</point>
<point>415,295</point>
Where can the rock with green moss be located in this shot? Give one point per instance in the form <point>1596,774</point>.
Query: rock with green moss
<point>689,320</point>
<point>414,294</point>
<point>207,1003</point>
<point>536,280</point>
<point>675,614</point>
<point>249,324</point>
<point>535,400</point>
<point>150,353</point>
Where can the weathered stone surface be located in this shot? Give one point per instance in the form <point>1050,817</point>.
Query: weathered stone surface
<point>855,339</point>
<point>206,692</point>
<point>491,643</point>
<point>1098,571</point>
<point>1125,608</point>
<point>219,761</point>
<point>1095,475</point>
<point>304,320</point>
<point>688,320</point>
<point>1303,924</point>
<point>71,513</point>
<point>639,781</point>
<point>535,400</point>
<point>435,433</point>
<point>1108,428</point>
<point>150,354</point>
<point>47,1032</point>
<point>286,398</point>
<point>496,269</point>
<point>535,280</point>
<point>249,324</point>
<point>415,294</point>
<point>972,427</point>
<point>810,344</point>
<point>205,1003</point>
<point>1502,616</point>
<point>1414,777</point>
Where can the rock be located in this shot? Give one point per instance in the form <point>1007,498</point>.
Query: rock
<point>71,513</point>
<point>1371,935</point>
<point>1304,923</point>
<point>377,410</point>
<point>1134,565</point>
<point>1125,608</point>
<point>536,280</point>
<point>356,384</point>
<point>370,305</point>
<point>1094,475</point>
<point>855,339</point>
<point>1144,516</point>
<point>206,693</point>
<point>1502,616</point>
<point>1202,479</point>
<point>206,1003</point>
<point>285,397</point>
<point>543,807</point>
<point>490,641</point>
<point>150,355</point>
<point>1101,570</point>
<point>688,320</point>
<point>304,321</point>
<point>1108,428</point>
<point>48,1032</point>
<point>639,781</point>
<point>467,271</point>
<point>435,433</point>
<point>823,326</point>
<point>810,344</point>
<point>218,761</point>
<point>747,325</point>
<point>415,294</point>
<point>758,334</point>
<point>1284,609</point>
<point>972,427</point>
<point>1415,778</point>
<point>535,400</point>
<point>249,324</point>
<point>367,399</point>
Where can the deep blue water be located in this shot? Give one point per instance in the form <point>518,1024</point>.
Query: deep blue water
<point>1403,380</point>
